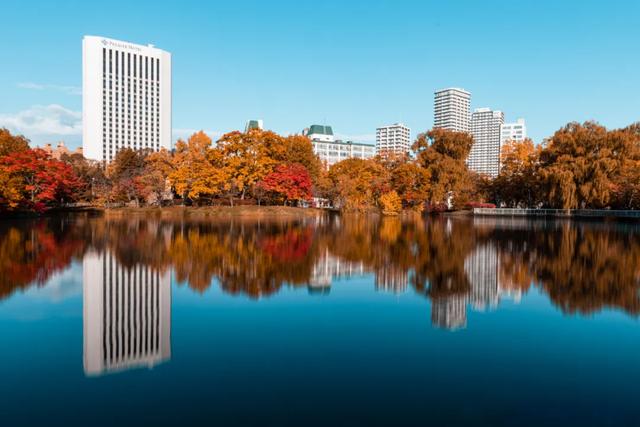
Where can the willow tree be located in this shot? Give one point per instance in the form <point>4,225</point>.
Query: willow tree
<point>581,163</point>
<point>443,154</point>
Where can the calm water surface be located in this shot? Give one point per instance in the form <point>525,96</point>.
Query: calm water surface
<point>334,321</point>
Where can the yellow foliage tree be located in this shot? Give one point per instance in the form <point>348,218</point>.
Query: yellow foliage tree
<point>390,203</point>
<point>197,168</point>
<point>249,157</point>
<point>357,183</point>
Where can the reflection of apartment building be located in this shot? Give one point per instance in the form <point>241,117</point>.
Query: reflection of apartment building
<point>482,270</point>
<point>449,312</point>
<point>126,315</point>
<point>391,278</point>
<point>328,267</point>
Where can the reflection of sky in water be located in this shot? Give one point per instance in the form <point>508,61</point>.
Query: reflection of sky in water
<point>61,295</point>
<point>63,285</point>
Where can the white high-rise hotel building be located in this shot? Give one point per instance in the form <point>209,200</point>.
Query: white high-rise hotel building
<point>126,97</point>
<point>484,156</point>
<point>393,139</point>
<point>451,109</point>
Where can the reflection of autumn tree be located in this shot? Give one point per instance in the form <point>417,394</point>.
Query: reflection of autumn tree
<point>291,246</point>
<point>30,253</point>
<point>254,259</point>
<point>443,247</point>
<point>433,251</point>
<point>582,267</point>
<point>584,270</point>
<point>515,273</point>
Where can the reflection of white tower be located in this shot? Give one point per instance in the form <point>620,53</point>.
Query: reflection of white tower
<point>127,315</point>
<point>328,267</point>
<point>481,267</point>
<point>391,279</point>
<point>449,312</point>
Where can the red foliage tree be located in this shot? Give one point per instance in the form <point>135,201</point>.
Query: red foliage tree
<point>288,182</point>
<point>290,247</point>
<point>43,181</point>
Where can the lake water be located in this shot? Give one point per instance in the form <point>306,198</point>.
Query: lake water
<point>321,321</point>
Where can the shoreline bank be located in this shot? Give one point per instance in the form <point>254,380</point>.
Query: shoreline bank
<point>598,214</point>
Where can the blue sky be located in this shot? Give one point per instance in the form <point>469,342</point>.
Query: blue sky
<point>354,65</point>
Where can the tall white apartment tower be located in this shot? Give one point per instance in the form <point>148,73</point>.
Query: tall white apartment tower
<point>126,97</point>
<point>484,157</point>
<point>513,131</point>
<point>452,109</point>
<point>393,139</point>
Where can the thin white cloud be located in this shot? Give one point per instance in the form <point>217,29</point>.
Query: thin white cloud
<point>69,90</point>
<point>42,122</point>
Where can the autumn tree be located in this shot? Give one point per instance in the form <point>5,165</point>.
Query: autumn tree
<point>126,173</point>
<point>390,203</point>
<point>249,157</point>
<point>197,170</point>
<point>95,184</point>
<point>158,167</point>
<point>11,183</point>
<point>12,143</point>
<point>443,154</point>
<point>626,188</point>
<point>358,183</point>
<point>411,183</point>
<point>299,149</point>
<point>288,183</point>
<point>579,165</point>
<point>34,180</point>
<point>517,185</point>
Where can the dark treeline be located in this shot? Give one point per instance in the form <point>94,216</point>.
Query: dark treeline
<point>582,268</point>
<point>580,166</point>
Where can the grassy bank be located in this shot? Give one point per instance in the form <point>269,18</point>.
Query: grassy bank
<point>245,212</point>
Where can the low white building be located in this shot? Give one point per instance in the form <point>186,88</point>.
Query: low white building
<point>331,150</point>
